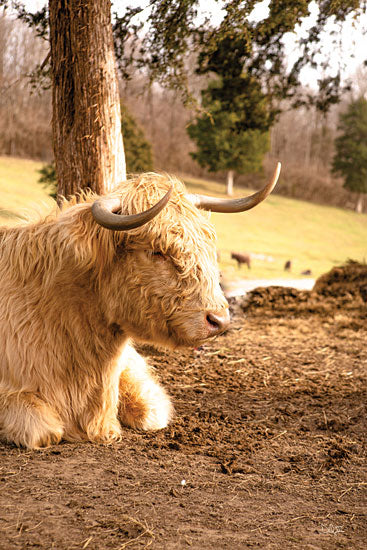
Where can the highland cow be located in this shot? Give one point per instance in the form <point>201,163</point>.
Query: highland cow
<point>78,287</point>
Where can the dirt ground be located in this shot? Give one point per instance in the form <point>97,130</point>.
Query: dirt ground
<point>267,450</point>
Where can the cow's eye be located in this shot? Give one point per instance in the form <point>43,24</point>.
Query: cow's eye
<point>159,255</point>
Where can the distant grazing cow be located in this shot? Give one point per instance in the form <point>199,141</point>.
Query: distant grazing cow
<point>306,272</point>
<point>137,264</point>
<point>288,265</point>
<point>241,258</point>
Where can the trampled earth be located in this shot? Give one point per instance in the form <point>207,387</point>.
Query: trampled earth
<point>267,449</point>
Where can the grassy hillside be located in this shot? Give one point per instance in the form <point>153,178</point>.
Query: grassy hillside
<point>311,236</point>
<point>19,189</point>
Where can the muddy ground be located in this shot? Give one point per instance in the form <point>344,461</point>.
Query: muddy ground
<point>267,450</point>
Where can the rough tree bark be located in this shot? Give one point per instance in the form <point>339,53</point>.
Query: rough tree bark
<point>87,136</point>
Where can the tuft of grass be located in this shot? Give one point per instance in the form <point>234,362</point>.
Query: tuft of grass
<point>312,236</point>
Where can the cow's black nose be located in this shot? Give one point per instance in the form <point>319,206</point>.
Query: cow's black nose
<point>217,321</point>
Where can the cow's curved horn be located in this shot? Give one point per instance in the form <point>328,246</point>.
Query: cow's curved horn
<point>103,211</point>
<point>235,205</point>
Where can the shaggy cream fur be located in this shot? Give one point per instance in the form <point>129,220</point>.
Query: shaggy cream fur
<point>72,296</point>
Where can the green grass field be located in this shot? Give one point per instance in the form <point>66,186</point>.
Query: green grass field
<point>311,236</point>
<point>19,190</point>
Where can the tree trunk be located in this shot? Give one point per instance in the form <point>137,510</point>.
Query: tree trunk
<point>359,205</point>
<point>230,176</point>
<point>87,136</point>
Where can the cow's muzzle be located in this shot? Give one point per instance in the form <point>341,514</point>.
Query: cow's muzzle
<point>217,322</point>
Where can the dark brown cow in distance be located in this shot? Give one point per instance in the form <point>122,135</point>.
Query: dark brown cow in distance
<point>241,258</point>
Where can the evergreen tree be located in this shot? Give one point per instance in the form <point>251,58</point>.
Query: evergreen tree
<point>232,133</point>
<point>48,179</point>
<point>138,151</point>
<point>350,160</point>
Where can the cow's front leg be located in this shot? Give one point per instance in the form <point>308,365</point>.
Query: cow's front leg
<point>100,419</point>
<point>144,404</point>
<point>97,419</point>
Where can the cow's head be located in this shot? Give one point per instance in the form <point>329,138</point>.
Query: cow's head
<point>164,284</point>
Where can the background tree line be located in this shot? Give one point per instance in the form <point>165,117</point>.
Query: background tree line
<point>302,138</point>
<point>24,116</point>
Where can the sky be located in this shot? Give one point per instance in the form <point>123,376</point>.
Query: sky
<point>353,38</point>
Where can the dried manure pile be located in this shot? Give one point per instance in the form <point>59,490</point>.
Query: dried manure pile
<point>267,449</point>
<point>342,291</point>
